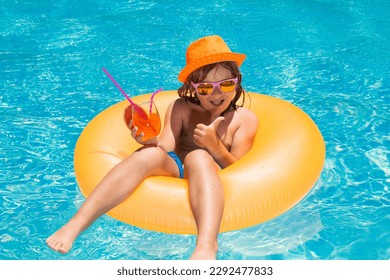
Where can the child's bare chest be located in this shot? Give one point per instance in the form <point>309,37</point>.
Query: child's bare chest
<point>225,132</point>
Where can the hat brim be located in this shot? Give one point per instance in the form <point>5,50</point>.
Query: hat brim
<point>214,58</point>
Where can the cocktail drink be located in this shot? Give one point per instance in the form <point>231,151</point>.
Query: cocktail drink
<point>146,118</point>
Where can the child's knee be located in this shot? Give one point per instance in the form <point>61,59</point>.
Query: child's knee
<point>198,158</point>
<point>147,157</point>
<point>148,151</point>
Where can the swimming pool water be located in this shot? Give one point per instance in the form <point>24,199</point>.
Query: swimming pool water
<point>328,57</point>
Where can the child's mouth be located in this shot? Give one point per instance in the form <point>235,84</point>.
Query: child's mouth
<point>217,102</point>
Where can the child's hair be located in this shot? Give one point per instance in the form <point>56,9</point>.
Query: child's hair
<point>187,91</point>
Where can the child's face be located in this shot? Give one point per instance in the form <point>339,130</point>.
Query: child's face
<point>218,101</point>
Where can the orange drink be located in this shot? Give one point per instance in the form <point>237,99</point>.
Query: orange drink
<point>147,119</point>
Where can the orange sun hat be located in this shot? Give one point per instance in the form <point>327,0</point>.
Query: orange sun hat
<point>208,50</point>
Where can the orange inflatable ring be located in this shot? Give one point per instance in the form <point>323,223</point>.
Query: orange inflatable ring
<point>283,165</point>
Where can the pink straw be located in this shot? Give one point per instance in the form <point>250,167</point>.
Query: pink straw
<point>151,99</point>
<point>135,106</point>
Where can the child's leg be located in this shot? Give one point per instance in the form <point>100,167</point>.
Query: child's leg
<point>115,187</point>
<point>207,201</point>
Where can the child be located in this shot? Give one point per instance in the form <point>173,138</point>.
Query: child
<point>204,131</point>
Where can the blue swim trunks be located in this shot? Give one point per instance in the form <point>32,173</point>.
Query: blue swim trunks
<point>174,156</point>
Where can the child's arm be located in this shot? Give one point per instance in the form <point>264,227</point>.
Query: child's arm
<point>245,135</point>
<point>171,130</point>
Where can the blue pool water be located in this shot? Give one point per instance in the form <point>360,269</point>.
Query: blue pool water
<point>328,57</point>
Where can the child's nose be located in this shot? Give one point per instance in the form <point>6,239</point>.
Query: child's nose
<point>216,90</point>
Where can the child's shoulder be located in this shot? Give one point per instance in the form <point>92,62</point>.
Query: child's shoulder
<point>246,114</point>
<point>180,101</point>
<point>246,121</point>
<point>182,104</point>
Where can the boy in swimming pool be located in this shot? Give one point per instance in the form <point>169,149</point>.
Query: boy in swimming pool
<point>204,130</point>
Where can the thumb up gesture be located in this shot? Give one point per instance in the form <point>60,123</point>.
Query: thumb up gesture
<point>205,136</point>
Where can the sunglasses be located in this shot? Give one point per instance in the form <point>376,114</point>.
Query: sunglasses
<point>224,86</point>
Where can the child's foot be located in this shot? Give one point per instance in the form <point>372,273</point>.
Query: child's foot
<point>62,240</point>
<point>204,253</point>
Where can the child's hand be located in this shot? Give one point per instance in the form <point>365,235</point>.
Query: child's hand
<point>205,136</point>
<point>129,123</point>
<point>138,137</point>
